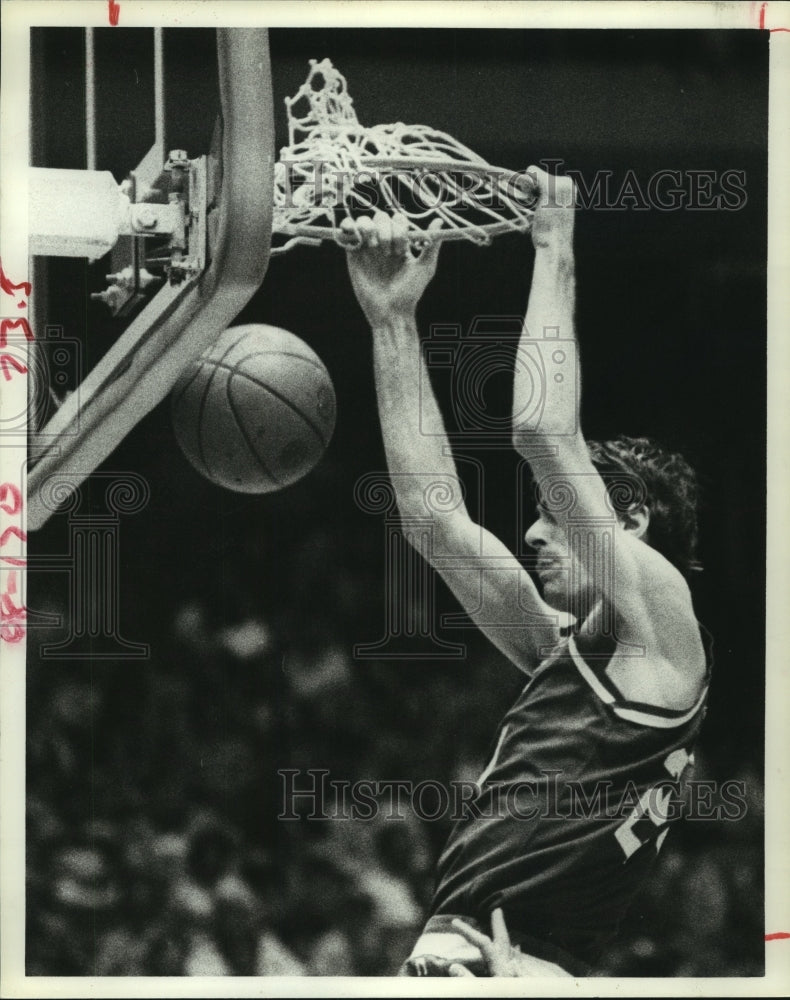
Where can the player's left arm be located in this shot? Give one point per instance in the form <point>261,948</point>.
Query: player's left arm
<point>647,596</point>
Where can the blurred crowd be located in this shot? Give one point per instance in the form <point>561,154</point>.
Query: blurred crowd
<point>155,848</point>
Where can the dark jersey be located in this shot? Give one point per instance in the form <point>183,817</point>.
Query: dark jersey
<point>574,806</point>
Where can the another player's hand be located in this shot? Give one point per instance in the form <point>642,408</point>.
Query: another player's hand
<point>552,226</point>
<point>501,957</point>
<point>387,276</point>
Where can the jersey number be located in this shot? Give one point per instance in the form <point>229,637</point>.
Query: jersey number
<point>653,806</point>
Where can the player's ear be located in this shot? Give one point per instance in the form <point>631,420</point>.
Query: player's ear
<point>636,520</point>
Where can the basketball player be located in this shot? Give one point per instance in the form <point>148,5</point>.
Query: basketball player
<point>584,777</point>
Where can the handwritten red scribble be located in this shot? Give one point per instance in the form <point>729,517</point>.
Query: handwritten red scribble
<point>778,936</point>
<point>763,8</point>
<point>13,531</point>
<point>15,493</point>
<point>11,615</point>
<point>9,287</point>
<point>9,612</point>
<point>115,10</point>
<point>13,324</point>
<point>7,362</point>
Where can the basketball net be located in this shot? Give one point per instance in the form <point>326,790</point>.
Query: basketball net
<point>333,167</point>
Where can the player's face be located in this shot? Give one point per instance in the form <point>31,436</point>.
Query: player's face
<point>561,584</point>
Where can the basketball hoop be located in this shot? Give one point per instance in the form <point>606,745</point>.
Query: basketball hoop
<point>334,167</point>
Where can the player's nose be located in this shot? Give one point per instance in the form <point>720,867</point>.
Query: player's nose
<point>535,536</point>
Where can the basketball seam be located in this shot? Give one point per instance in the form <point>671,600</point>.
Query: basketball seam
<point>283,399</point>
<point>244,434</point>
<point>204,399</point>
<point>288,354</point>
<point>180,394</point>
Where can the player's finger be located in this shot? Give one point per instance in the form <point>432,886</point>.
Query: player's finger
<point>400,234</point>
<point>368,233</point>
<point>383,228</point>
<point>527,186</point>
<point>475,937</point>
<point>458,970</point>
<point>430,251</point>
<point>552,189</point>
<point>499,930</point>
<point>349,234</point>
<point>539,176</point>
<point>540,181</point>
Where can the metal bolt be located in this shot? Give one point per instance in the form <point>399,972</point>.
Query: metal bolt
<point>124,279</point>
<point>177,158</point>
<point>112,297</point>
<point>145,218</point>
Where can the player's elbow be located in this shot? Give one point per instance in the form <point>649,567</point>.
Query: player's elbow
<point>528,435</point>
<point>524,437</point>
<point>429,496</point>
<point>438,537</point>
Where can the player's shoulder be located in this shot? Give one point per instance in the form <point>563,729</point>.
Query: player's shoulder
<point>658,653</point>
<point>659,606</point>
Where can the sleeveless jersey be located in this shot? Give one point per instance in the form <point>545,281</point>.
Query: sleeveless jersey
<point>580,793</point>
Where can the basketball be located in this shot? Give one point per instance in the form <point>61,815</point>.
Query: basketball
<point>256,411</point>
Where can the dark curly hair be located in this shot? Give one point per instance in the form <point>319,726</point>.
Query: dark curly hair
<point>668,487</point>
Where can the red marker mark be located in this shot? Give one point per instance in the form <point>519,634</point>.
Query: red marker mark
<point>11,615</point>
<point>780,935</point>
<point>115,11</point>
<point>14,633</point>
<point>11,612</point>
<point>7,362</point>
<point>16,498</point>
<point>762,20</point>
<point>12,324</point>
<point>9,287</point>
<point>13,531</point>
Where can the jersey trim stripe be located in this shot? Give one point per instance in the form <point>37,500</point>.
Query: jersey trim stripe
<point>599,672</point>
<point>492,763</point>
<point>660,718</point>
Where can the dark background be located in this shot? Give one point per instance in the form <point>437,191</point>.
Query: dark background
<point>251,605</point>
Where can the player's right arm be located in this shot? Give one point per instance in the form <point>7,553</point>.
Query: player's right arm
<point>647,598</point>
<point>486,578</point>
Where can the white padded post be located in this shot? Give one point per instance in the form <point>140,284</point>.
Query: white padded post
<point>75,213</point>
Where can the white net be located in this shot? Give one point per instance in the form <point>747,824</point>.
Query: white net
<point>334,167</point>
